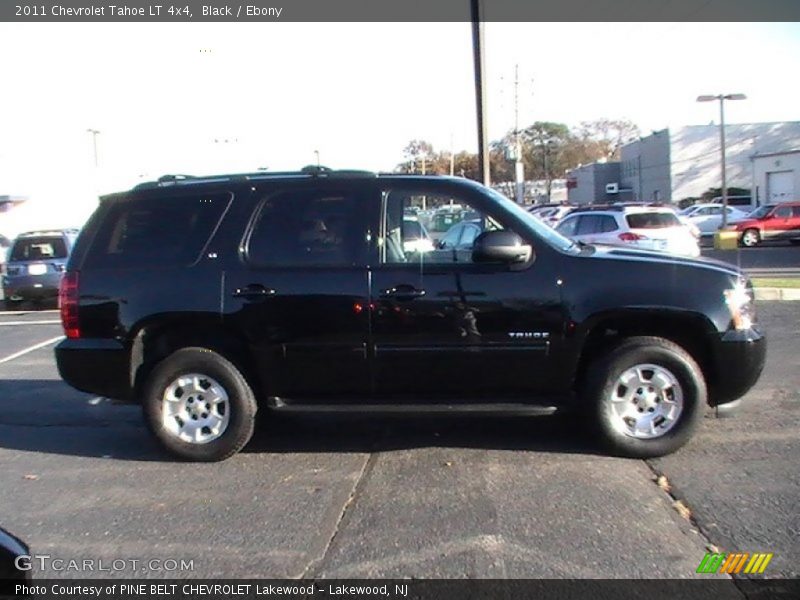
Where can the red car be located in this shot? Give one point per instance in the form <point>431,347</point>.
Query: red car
<point>770,222</point>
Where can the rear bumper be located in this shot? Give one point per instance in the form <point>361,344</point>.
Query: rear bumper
<point>96,366</point>
<point>30,287</point>
<point>739,360</point>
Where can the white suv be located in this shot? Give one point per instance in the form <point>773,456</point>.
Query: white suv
<point>645,227</point>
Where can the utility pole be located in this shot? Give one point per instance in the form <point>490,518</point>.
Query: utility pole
<point>480,90</point>
<point>545,145</point>
<point>519,166</point>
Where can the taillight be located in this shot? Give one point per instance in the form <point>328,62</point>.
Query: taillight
<point>68,303</point>
<point>629,236</point>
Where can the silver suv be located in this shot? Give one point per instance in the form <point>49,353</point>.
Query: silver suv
<point>645,227</point>
<point>36,262</point>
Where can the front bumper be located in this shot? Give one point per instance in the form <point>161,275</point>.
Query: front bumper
<point>739,359</point>
<point>96,366</point>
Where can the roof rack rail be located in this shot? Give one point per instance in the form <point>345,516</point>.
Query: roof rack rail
<point>51,231</point>
<point>174,178</point>
<point>307,171</point>
<point>597,207</point>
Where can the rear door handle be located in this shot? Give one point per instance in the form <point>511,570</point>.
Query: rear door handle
<point>402,292</point>
<point>253,291</point>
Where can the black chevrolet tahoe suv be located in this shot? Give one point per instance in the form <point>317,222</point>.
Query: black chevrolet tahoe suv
<point>204,299</point>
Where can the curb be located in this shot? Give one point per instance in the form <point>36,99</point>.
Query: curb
<point>782,294</point>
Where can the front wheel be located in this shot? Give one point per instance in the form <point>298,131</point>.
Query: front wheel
<point>751,238</point>
<point>199,405</point>
<point>645,397</point>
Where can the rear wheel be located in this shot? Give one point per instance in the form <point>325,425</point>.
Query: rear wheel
<point>751,238</point>
<point>645,397</point>
<point>199,405</point>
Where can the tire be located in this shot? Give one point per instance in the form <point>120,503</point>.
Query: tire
<point>750,238</point>
<point>199,406</point>
<point>668,385</point>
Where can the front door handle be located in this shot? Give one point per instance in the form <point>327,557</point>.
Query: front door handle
<point>253,291</point>
<point>402,292</point>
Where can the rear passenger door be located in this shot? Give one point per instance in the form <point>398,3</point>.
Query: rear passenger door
<point>299,289</point>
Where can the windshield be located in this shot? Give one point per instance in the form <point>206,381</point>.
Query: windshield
<point>761,212</point>
<point>550,235</point>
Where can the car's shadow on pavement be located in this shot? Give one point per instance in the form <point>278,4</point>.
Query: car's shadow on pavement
<point>29,305</point>
<point>47,416</point>
<point>380,433</point>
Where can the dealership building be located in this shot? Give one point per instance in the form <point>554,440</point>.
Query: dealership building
<point>673,165</point>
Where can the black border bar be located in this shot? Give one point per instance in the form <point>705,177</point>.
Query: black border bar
<point>711,588</point>
<point>397,10</point>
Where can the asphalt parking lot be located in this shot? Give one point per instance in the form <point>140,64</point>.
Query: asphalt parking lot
<point>81,478</point>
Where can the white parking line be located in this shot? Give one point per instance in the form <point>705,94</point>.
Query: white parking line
<point>7,323</point>
<point>31,349</point>
<point>27,312</point>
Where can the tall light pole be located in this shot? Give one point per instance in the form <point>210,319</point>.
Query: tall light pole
<point>722,98</point>
<point>94,133</point>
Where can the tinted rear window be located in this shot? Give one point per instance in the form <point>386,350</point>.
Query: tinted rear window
<point>652,220</point>
<point>39,248</point>
<point>157,231</point>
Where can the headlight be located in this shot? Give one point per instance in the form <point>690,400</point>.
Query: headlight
<point>740,302</point>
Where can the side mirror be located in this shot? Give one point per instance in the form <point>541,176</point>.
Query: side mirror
<point>500,246</point>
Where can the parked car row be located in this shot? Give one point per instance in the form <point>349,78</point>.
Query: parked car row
<point>703,220</point>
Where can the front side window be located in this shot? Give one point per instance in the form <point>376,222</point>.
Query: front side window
<point>306,228</point>
<point>451,223</point>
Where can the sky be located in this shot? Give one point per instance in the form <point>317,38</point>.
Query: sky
<point>201,98</point>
